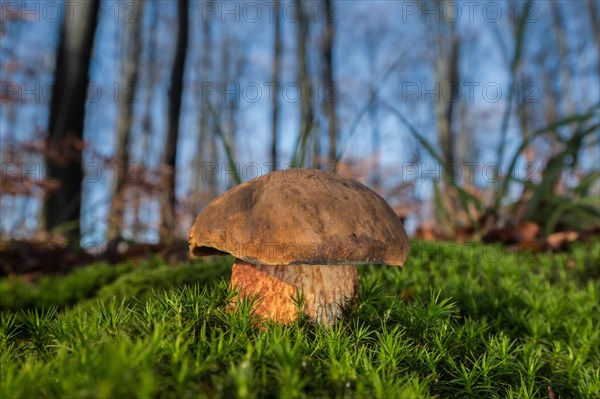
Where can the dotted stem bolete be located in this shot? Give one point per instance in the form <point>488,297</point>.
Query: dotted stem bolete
<point>300,231</point>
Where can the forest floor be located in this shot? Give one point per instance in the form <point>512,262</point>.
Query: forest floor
<point>456,321</point>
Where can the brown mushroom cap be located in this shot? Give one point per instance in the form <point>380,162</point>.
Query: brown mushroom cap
<point>301,216</point>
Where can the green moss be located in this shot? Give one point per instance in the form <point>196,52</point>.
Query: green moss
<point>455,322</point>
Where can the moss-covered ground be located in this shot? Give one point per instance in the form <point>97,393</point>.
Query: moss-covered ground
<point>457,321</point>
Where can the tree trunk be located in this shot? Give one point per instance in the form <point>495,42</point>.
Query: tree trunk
<point>373,113</point>
<point>447,76</point>
<point>276,67</point>
<point>62,207</point>
<point>330,92</point>
<point>206,144</point>
<point>175,98</point>
<point>131,45</point>
<point>306,111</point>
<point>595,27</point>
<point>140,225</point>
<point>372,38</point>
<point>563,85</point>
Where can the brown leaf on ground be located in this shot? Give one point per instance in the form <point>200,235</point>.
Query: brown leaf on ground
<point>556,241</point>
<point>427,233</point>
<point>504,235</point>
<point>527,232</point>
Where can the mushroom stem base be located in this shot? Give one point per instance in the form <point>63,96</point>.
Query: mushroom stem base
<point>325,289</point>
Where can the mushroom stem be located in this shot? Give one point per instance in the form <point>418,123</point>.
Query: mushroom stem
<point>326,289</point>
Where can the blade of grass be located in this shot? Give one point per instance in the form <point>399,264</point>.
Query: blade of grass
<point>226,145</point>
<point>363,111</point>
<point>464,196</point>
<point>519,39</point>
<point>503,190</point>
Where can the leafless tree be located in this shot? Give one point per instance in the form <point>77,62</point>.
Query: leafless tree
<point>593,12</point>
<point>150,75</point>
<point>303,79</point>
<point>67,112</point>
<point>372,38</point>
<point>447,75</point>
<point>168,219</point>
<point>328,78</point>
<point>206,144</point>
<point>131,36</point>
<point>277,47</point>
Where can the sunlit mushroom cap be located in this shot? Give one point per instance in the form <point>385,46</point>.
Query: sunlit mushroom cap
<point>301,216</point>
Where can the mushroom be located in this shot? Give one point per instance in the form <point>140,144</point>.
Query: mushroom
<point>300,231</point>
